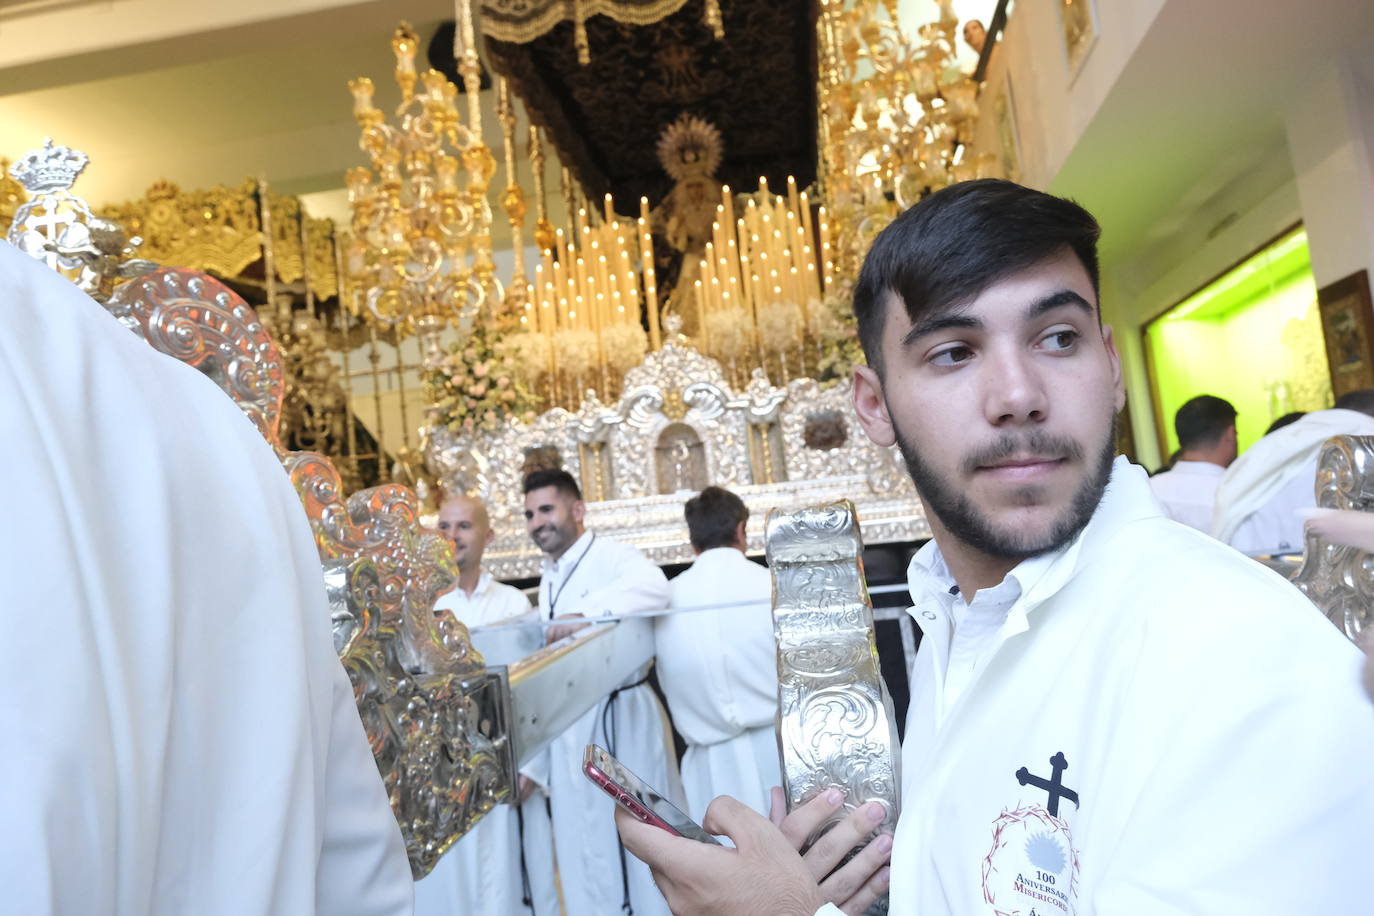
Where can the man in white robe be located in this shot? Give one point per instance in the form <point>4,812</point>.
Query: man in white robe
<point>1110,713</point>
<point>718,668</point>
<point>503,866</point>
<point>1206,429</point>
<point>1261,496</point>
<point>179,735</point>
<point>585,577</point>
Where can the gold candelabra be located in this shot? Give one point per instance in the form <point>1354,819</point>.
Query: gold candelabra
<point>421,248</point>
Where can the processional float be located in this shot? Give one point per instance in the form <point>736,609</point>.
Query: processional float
<point>448,730</point>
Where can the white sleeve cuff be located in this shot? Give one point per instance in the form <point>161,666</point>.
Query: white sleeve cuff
<point>829,910</point>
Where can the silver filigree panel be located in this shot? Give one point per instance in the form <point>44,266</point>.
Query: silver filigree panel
<point>678,384</point>
<point>836,725</point>
<point>1337,578</point>
<point>435,716</point>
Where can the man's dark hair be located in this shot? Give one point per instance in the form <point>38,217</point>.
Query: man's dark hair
<point>960,240</point>
<point>1362,400</point>
<point>1202,421</point>
<point>713,515</point>
<point>559,479</point>
<point>1284,420</point>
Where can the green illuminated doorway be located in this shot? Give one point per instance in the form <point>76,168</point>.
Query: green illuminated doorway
<point>1252,336</point>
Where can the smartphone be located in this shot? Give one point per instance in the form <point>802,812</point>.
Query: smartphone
<point>630,792</point>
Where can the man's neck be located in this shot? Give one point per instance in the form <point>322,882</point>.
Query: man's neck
<point>971,568</point>
<point>468,578</point>
<point>555,556</point>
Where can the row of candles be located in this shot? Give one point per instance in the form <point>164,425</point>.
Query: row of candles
<point>760,258</point>
<point>588,281</point>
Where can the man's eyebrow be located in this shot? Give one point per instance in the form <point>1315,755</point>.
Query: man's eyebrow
<point>1055,300</point>
<point>942,322</point>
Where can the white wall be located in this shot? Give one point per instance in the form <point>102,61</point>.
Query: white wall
<point>1054,105</point>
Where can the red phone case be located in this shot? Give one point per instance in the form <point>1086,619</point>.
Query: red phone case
<point>627,801</point>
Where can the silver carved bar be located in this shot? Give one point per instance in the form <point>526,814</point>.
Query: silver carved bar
<point>836,725</point>
<point>1338,579</point>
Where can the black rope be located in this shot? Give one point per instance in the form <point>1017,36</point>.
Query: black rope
<point>526,895</point>
<point>608,731</point>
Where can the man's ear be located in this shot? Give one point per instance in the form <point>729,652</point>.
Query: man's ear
<point>740,537</point>
<point>1110,343</point>
<point>579,510</point>
<point>871,407</point>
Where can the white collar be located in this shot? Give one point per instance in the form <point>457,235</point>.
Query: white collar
<point>1203,468</point>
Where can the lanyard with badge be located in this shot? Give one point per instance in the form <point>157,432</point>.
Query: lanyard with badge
<point>554,596</point>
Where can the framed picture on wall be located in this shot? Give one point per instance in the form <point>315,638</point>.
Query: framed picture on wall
<point>1348,326</point>
<point>1008,140</point>
<point>1080,30</point>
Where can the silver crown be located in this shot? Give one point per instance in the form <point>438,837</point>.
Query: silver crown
<point>52,168</point>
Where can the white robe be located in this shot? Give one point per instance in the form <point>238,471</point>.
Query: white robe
<point>597,576</point>
<point>1262,490</point>
<point>719,672</point>
<point>1212,723</point>
<point>179,735</point>
<point>1188,492</point>
<point>480,874</point>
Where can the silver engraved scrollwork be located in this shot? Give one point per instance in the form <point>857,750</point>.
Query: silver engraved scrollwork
<point>836,725</point>
<point>672,387</point>
<point>437,719</point>
<point>1340,579</point>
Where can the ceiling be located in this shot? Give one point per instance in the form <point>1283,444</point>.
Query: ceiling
<point>1194,127</point>
<point>265,104</point>
<point>756,84</point>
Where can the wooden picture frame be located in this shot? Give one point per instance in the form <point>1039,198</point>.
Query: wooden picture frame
<point>1008,135</point>
<point>1081,28</point>
<point>1348,327</point>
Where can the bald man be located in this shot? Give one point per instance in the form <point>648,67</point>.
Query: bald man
<point>478,599</point>
<point>504,867</point>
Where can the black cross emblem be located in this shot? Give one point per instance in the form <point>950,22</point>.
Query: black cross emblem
<point>1052,785</point>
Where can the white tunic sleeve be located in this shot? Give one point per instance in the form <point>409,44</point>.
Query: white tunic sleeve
<point>179,734</point>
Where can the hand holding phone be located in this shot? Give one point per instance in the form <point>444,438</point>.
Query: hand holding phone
<point>642,802</point>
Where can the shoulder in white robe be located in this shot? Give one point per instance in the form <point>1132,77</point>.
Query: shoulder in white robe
<point>1188,492</point>
<point>179,735</point>
<point>1276,476</point>
<point>718,670</point>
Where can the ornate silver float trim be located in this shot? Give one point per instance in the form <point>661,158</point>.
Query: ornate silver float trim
<point>1338,579</point>
<point>836,725</point>
<point>437,719</point>
<point>754,442</point>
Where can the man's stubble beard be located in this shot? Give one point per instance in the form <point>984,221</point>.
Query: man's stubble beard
<point>564,538</point>
<point>957,513</point>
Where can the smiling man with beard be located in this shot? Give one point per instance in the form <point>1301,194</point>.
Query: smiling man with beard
<point>585,577</point>
<point>1110,712</point>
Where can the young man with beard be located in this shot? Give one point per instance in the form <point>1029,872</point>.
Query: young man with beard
<point>585,577</point>
<point>1110,712</point>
